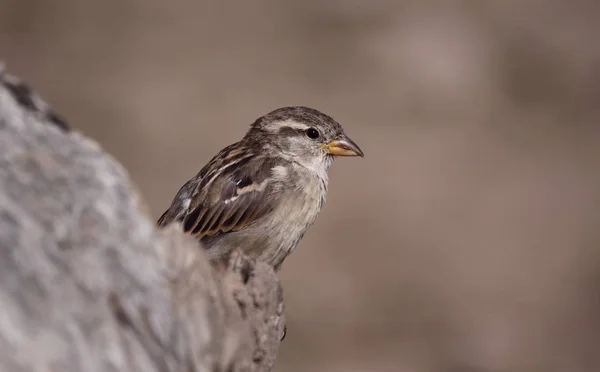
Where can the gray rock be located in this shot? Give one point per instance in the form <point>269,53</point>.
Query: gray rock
<point>86,281</point>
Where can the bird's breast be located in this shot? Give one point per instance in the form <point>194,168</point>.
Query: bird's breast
<point>292,218</point>
<point>275,236</point>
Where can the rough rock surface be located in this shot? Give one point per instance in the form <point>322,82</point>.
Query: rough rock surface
<point>86,281</point>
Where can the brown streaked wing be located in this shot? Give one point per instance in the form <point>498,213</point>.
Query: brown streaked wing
<point>177,210</point>
<point>227,207</point>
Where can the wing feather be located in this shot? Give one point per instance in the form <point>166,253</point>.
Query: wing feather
<point>235,199</point>
<point>233,191</point>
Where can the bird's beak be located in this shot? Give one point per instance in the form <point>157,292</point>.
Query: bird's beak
<point>343,146</point>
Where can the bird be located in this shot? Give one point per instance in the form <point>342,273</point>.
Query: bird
<point>261,194</point>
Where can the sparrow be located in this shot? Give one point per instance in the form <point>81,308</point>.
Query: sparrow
<point>261,194</point>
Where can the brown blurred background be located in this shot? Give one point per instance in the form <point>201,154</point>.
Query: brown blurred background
<point>466,240</point>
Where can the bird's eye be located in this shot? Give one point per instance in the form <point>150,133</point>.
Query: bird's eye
<point>312,133</point>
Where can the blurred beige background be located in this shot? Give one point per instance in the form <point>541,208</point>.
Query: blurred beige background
<point>467,239</point>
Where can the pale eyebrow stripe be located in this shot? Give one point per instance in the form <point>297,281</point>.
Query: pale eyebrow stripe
<point>288,123</point>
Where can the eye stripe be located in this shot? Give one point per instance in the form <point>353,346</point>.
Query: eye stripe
<point>289,131</point>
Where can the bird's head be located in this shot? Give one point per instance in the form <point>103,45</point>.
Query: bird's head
<point>306,135</point>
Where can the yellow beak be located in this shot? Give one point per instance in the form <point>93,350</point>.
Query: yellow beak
<point>343,147</point>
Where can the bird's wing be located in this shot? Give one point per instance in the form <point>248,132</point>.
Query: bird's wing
<point>178,207</point>
<point>232,199</point>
